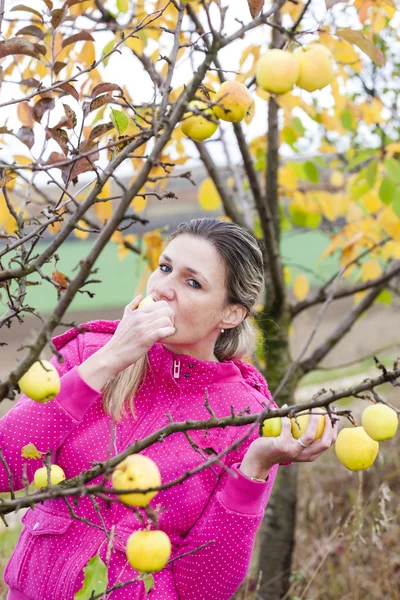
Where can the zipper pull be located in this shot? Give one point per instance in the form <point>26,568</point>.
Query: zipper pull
<point>177,368</point>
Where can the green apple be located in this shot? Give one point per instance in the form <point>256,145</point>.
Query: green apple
<point>277,71</point>
<point>198,127</point>
<point>148,551</point>
<point>41,382</point>
<point>272,427</point>
<point>136,472</point>
<point>56,475</point>
<point>232,101</point>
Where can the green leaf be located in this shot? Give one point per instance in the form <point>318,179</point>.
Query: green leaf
<point>303,219</point>
<point>120,120</point>
<point>289,135</point>
<point>123,5</point>
<point>387,191</point>
<point>347,119</point>
<point>298,125</point>
<point>393,169</point>
<point>385,297</point>
<point>311,171</point>
<point>148,581</point>
<point>396,203</point>
<point>371,172</point>
<point>96,579</point>
<point>107,48</point>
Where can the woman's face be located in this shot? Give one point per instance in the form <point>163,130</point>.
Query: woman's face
<point>191,278</point>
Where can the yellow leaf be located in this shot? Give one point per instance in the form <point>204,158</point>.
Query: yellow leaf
<point>372,202</point>
<point>139,204</point>
<point>209,197</point>
<point>136,44</point>
<point>87,55</point>
<point>30,451</point>
<point>371,112</point>
<point>358,296</point>
<point>103,210</point>
<point>153,247</point>
<point>371,269</point>
<point>301,287</point>
<point>287,274</point>
<point>287,177</point>
<point>22,160</point>
<point>81,235</point>
<point>378,21</point>
<point>391,250</point>
<point>337,178</point>
<point>390,222</point>
<point>25,114</point>
<point>392,149</point>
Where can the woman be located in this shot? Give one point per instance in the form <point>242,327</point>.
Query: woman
<point>156,363</point>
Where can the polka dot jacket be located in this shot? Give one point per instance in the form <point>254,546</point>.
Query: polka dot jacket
<point>218,507</point>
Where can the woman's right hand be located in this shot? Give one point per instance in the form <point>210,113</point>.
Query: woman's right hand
<point>137,331</point>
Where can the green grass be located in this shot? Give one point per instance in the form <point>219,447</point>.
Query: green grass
<point>300,251</point>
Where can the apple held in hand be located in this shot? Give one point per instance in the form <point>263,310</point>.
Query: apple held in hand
<point>316,67</point>
<point>232,101</point>
<point>380,421</point>
<point>41,382</point>
<point>302,422</point>
<point>56,475</point>
<point>136,472</point>
<point>197,126</point>
<point>355,449</point>
<point>148,551</point>
<point>277,71</point>
<point>272,427</point>
<point>148,300</point>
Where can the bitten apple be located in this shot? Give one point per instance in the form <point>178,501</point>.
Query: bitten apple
<point>148,300</point>
<point>136,472</point>
<point>196,126</point>
<point>148,551</point>
<point>232,101</point>
<point>56,475</point>
<point>41,382</point>
<point>277,71</point>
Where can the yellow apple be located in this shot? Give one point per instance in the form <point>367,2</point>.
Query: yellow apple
<point>148,551</point>
<point>136,472</point>
<point>277,71</point>
<point>56,475</point>
<point>148,300</point>
<point>41,382</point>
<point>380,421</point>
<point>198,127</point>
<point>232,101</point>
<point>272,427</point>
<point>316,67</point>
<point>302,420</point>
<point>355,449</point>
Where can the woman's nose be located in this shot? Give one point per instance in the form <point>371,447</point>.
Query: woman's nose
<point>164,291</point>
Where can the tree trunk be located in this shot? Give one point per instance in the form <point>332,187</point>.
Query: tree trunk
<point>270,569</point>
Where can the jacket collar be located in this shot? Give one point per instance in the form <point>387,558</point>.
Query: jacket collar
<point>185,369</point>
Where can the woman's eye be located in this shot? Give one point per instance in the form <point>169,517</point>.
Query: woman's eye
<point>196,285</point>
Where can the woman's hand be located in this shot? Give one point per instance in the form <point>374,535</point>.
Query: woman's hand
<point>137,331</point>
<point>265,452</point>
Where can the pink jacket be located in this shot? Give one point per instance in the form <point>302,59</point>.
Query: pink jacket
<point>213,505</point>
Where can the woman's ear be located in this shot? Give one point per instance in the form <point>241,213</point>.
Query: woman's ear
<point>234,316</point>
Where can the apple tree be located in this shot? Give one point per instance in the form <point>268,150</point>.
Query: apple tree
<point>302,103</point>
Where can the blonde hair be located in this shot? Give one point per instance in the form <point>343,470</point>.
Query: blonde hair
<point>244,283</point>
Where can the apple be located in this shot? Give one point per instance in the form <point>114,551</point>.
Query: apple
<point>355,449</point>
<point>136,472</point>
<point>272,427</point>
<point>148,551</point>
<point>232,101</point>
<point>56,475</point>
<point>316,67</point>
<point>380,421</point>
<point>41,382</point>
<point>302,420</point>
<point>277,71</point>
<point>198,127</point>
<point>148,300</point>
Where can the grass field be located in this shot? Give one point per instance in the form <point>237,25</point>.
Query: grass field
<point>119,279</point>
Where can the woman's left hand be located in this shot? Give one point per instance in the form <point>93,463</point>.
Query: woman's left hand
<point>265,452</point>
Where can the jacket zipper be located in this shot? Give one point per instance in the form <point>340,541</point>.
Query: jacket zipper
<point>177,368</point>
